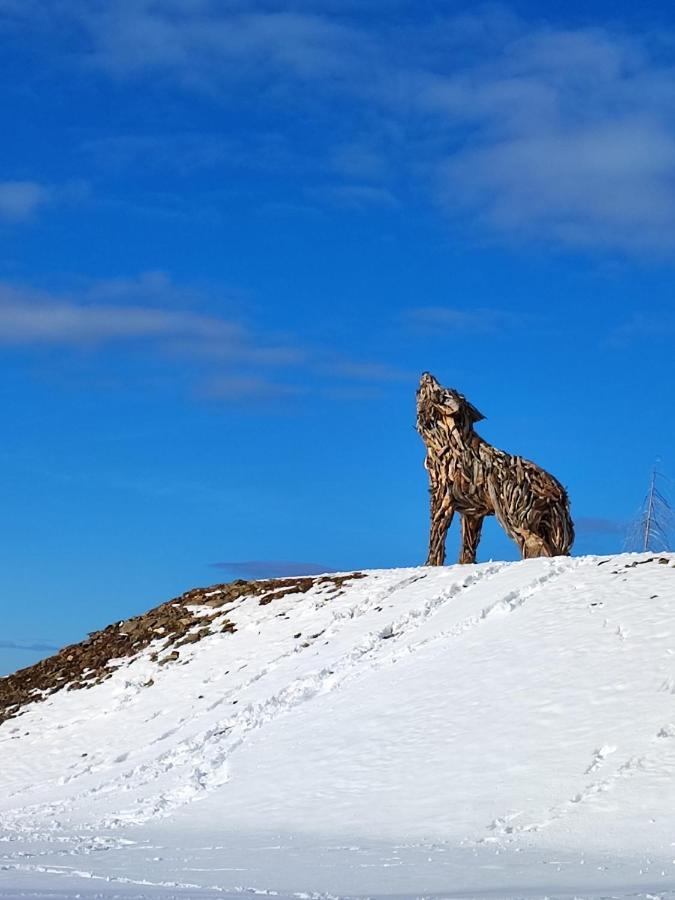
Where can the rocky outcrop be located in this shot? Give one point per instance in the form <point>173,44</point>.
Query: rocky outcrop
<point>183,620</point>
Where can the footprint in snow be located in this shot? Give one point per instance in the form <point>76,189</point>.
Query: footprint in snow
<point>668,731</point>
<point>599,756</point>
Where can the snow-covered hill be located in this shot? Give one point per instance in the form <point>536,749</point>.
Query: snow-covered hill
<point>505,728</point>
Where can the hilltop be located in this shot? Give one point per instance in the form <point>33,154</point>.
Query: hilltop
<point>184,620</point>
<point>504,728</point>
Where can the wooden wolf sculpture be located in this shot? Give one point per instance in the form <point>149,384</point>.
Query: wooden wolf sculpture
<point>469,476</point>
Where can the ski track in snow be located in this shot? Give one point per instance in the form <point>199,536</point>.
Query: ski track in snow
<point>655,747</point>
<point>322,644</point>
<point>630,767</point>
<point>71,872</point>
<point>214,745</point>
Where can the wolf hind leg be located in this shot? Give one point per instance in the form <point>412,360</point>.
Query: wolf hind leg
<point>533,546</point>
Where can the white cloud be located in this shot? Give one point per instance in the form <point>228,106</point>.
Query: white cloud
<point>19,200</point>
<point>171,151</point>
<point>595,185</point>
<point>599,525</point>
<point>220,356</point>
<point>558,135</point>
<point>357,197</point>
<point>203,42</point>
<point>259,388</point>
<point>478,320</point>
<point>183,153</point>
<point>358,160</point>
<point>569,137</point>
<point>30,317</point>
<point>223,356</point>
<point>527,130</point>
<point>372,372</point>
<point>643,326</point>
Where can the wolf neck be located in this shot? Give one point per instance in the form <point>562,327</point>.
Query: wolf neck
<point>459,433</point>
<point>451,434</point>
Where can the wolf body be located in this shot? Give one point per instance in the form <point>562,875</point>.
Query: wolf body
<point>469,476</point>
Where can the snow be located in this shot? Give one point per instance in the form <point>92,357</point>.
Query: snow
<point>503,730</point>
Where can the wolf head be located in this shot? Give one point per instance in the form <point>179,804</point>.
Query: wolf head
<point>436,403</point>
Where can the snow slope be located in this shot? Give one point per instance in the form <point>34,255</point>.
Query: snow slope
<point>505,729</point>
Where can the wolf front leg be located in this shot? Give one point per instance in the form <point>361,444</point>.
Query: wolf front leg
<point>442,511</point>
<point>471,529</point>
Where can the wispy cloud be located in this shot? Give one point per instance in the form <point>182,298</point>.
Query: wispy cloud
<point>183,153</point>
<point>150,288</point>
<point>599,525</point>
<point>564,135</point>
<point>22,201</point>
<point>19,200</point>
<point>355,197</point>
<point>248,387</point>
<point>363,371</point>
<point>272,568</point>
<point>28,317</point>
<point>201,41</point>
<point>36,645</point>
<point>643,326</point>
<point>480,320</point>
<point>358,160</point>
<point>223,355</point>
<point>572,139</point>
<point>525,130</point>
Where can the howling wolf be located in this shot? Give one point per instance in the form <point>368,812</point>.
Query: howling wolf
<point>468,475</point>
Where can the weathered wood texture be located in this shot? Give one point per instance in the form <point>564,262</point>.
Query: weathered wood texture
<point>469,476</point>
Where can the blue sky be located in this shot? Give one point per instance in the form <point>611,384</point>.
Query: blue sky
<point>233,234</point>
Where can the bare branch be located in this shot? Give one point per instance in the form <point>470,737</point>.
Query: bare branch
<point>655,524</point>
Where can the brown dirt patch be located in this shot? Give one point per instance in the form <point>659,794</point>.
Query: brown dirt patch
<point>175,623</point>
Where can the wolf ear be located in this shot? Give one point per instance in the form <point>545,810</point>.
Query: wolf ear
<point>474,414</point>
<point>454,401</point>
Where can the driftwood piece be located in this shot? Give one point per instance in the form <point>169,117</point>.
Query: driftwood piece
<point>469,476</point>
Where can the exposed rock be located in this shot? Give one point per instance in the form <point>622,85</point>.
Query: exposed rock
<point>179,621</point>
